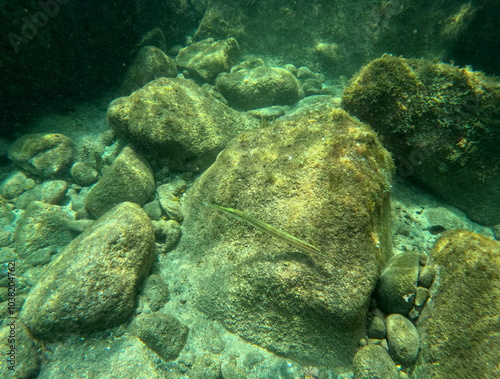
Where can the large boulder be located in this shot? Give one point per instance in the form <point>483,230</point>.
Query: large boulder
<point>323,177</point>
<point>459,325</point>
<point>175,118</point>
<point>92,284</point>
<point>441,123</point>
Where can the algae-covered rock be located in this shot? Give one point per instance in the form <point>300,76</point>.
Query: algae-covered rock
<point>149,64</point>
<point>47,155</point>
<point>129,178</point>
<point>459,325</point>
<point>175,118</point>
<point>50,192</point>
<point>398,283</point>
<point>21,357</point>
<point>403,339</point>
<point>162,333</point>
<point>103,358</point>
<point>322,177</point>
<point>259,87</point>
<point>441,124</point>
<point>373,361</point>
<point>92,284</point>
<point>207,58</point>
<point>41,231</point>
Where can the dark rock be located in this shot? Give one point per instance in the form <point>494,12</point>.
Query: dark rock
<point>376,328</point>
<point>129,178</point>
<point>398,284</point>
<point>92,284</point>
<point>440,122</point>
<point>459,327</point>
<point>426,276</point>
<point>373,361</point>
<point>162,333</point>
<point>47,155</point>
<point>259,87</point>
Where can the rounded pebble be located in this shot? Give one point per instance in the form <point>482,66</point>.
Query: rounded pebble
<point>403,339</point>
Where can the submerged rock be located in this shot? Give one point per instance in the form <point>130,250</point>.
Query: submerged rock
<point>208,58</point>
<point>459,325</point>
<point>175,118</point>
<point>47,155</point>
<point>323,177</point>
<point>398,283</point>
<point>92,284</point>
<point>129,178</point>
<point>259,87</point>
<point>441,124</point>
<point>403,339</point>
<point>150,63</point>
<point>373,361</point>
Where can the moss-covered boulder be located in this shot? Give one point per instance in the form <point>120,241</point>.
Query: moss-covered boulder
<point>149,64</point>
<point>322,177</point>
<point>441,123</point>
<point>259,87</point>
<point>175,118</point>
<point>459,325</point>
<point>208,58</point>
<point>92,284</point>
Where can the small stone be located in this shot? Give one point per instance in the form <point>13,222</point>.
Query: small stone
<point>153,209</point>
<point>50,192</point>
<point>376,328</point>
<point>403,339</point>
<point>155,292</point>
<point>13,185</point>
<point>426,276</point>
<point>421,296</point>
<point>84,174</point>
<point>373,361</point>
<point>167,234</point>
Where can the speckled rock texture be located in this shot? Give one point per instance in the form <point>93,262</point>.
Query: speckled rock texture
<point>208,58</point>
<point>403,339</point>
<point>92,283</point>
<point>322,177</point>
<point>459,325</point>
<point>373,361</point>
<point>259,87</point>
<point>441,124</point>
<point>149,64</point>
<point>129,178</point>
<point>46,155</point>
<point>175,118</point>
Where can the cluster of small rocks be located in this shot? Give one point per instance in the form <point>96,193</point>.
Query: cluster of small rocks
<point>392,345</point>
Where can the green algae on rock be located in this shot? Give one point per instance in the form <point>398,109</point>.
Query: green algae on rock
<point>323,177</point>
<point>441,124</point>
<point>92,284</point>
<point>459,325</point>
<point>175,118</point>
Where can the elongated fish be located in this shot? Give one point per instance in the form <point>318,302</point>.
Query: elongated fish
<point>269,229</point>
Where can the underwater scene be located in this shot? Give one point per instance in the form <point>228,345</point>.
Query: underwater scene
<point>217,189</point>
